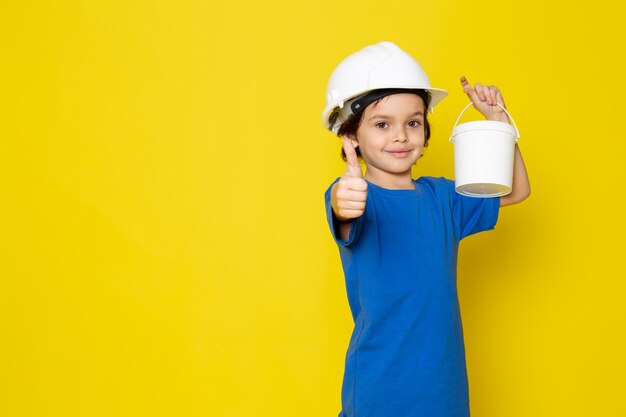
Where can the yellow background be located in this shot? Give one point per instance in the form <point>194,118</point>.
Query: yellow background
<point>165,249</point>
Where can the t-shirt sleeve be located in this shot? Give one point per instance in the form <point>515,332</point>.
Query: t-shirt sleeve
<point>475,214</point>
<point>333,223</point>
<point>472,214</point>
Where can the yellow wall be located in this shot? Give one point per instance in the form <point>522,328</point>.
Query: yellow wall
<point>164,245</point>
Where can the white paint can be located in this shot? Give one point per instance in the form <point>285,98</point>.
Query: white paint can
<point>483,156</point>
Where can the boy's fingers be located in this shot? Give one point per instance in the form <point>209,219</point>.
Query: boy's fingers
<point>500,99</point>
<point>489,95</point>
<point>467,88</point>
<point>357,187</point>
<point>354,204</point>
<point>479,90</point>
<point>464,82</point>
<point>353,168</point>
<point>494,95</point>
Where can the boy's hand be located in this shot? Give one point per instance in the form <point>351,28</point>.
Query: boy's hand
<point>349,194</point>
<point>484,98</point>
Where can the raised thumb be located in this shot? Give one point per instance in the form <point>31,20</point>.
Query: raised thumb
<point>353,167</point>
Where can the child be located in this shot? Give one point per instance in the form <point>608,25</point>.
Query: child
<point>398,237</point>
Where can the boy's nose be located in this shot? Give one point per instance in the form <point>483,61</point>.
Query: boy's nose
<point>401,136</point>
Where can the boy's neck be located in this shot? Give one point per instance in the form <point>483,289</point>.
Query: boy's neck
<point>392,181</point>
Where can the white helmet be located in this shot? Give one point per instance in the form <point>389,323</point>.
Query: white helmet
<point>374,67</point>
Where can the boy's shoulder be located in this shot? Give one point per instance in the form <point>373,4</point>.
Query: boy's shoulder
<point>436,182</point>
<point>441,187</point>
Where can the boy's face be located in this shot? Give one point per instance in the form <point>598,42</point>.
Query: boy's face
<point>391,136</point>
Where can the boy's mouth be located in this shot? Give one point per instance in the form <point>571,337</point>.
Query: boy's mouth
<point>399,153</point>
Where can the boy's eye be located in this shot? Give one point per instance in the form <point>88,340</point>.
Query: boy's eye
<point>414,123</point>
<point>381,124</point>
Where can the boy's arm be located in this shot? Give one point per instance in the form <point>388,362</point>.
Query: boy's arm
<point>343,228</point>
<point>352,190</point>
<point>484,98</point>
<point>521,186</point>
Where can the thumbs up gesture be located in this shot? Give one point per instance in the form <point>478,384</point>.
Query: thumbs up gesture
<point>349,194</point>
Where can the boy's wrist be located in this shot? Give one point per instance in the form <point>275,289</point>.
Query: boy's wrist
<point>502,118</point>
<point>339,218</point>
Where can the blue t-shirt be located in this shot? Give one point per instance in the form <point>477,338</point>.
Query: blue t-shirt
<point>406,356</point>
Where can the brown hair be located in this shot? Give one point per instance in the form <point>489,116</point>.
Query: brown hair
<point>351,125</point>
